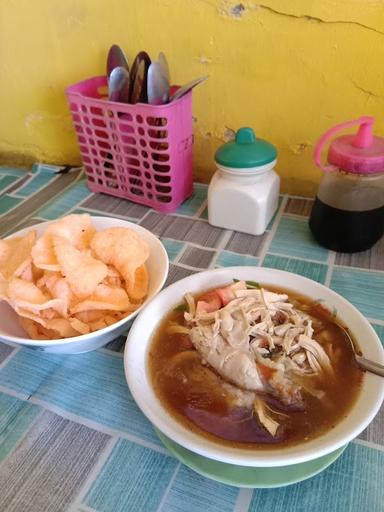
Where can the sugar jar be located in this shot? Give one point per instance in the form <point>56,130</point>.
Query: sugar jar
<point>348,212</point>
<point>244,191</point>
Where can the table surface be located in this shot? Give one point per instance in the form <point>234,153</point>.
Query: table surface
<point>71,436</point>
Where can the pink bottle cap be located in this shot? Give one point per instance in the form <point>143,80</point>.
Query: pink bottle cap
<point>361,153</point>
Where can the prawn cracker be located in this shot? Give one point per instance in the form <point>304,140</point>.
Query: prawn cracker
<point>82,271</point>
<point>15,254</point>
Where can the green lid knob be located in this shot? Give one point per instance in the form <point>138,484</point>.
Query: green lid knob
<point>245,136</point>
<point>246,151</point>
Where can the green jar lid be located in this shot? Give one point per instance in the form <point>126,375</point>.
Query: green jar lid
<point>246,151</point>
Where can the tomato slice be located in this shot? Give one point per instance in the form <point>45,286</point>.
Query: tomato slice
<point>228,293</point>
<point>215,299</point>
<point>208,302</point>
<point>266,371</point>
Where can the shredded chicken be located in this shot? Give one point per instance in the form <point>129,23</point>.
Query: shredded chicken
<point>191,303</point>
<point>265,419</point>
<point>174,328</point>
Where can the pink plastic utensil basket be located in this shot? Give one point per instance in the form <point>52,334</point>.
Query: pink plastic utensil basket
<point>138,152</point>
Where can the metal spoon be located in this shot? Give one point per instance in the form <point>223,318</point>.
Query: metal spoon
<point>362,362</point>
<point>118,87</point>
<point>138,80</point>
<point>157,85</point>
<point>187,87</point>
<point>116,58</point>
<point>118,90</point>
<point>162,60</point>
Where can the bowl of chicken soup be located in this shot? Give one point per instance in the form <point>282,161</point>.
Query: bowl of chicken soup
<point>251,366</point>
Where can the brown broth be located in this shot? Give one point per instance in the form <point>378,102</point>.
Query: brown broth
<point>194,395</point>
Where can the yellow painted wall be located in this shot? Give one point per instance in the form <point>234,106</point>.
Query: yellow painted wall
<point>288,68</point>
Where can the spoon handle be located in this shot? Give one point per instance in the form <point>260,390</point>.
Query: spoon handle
<point>370,366</point>
<point>187,87</point>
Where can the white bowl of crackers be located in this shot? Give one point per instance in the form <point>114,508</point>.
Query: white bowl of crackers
<point>74,284</point>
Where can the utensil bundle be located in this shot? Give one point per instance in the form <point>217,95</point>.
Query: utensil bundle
<point>146,81</point>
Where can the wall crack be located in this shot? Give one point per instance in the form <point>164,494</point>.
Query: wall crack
<point>365,91</point>
<point>318,20</point>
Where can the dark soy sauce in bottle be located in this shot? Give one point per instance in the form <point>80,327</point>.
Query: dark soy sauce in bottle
<point>346,230</point>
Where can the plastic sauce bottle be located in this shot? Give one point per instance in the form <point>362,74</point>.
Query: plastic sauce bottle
<point>244,192</point>
<point>348,212</point>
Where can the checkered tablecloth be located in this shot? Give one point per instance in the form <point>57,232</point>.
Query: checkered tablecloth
<point>71,436</point>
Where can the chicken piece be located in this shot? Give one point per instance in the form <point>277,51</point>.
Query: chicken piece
<point>232,364</point>
<point>287,391</point>
<point>234,330</point>
<point>239,397</point>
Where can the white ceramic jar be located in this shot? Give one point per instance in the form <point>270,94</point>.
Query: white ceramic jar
<point>243,194</point>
